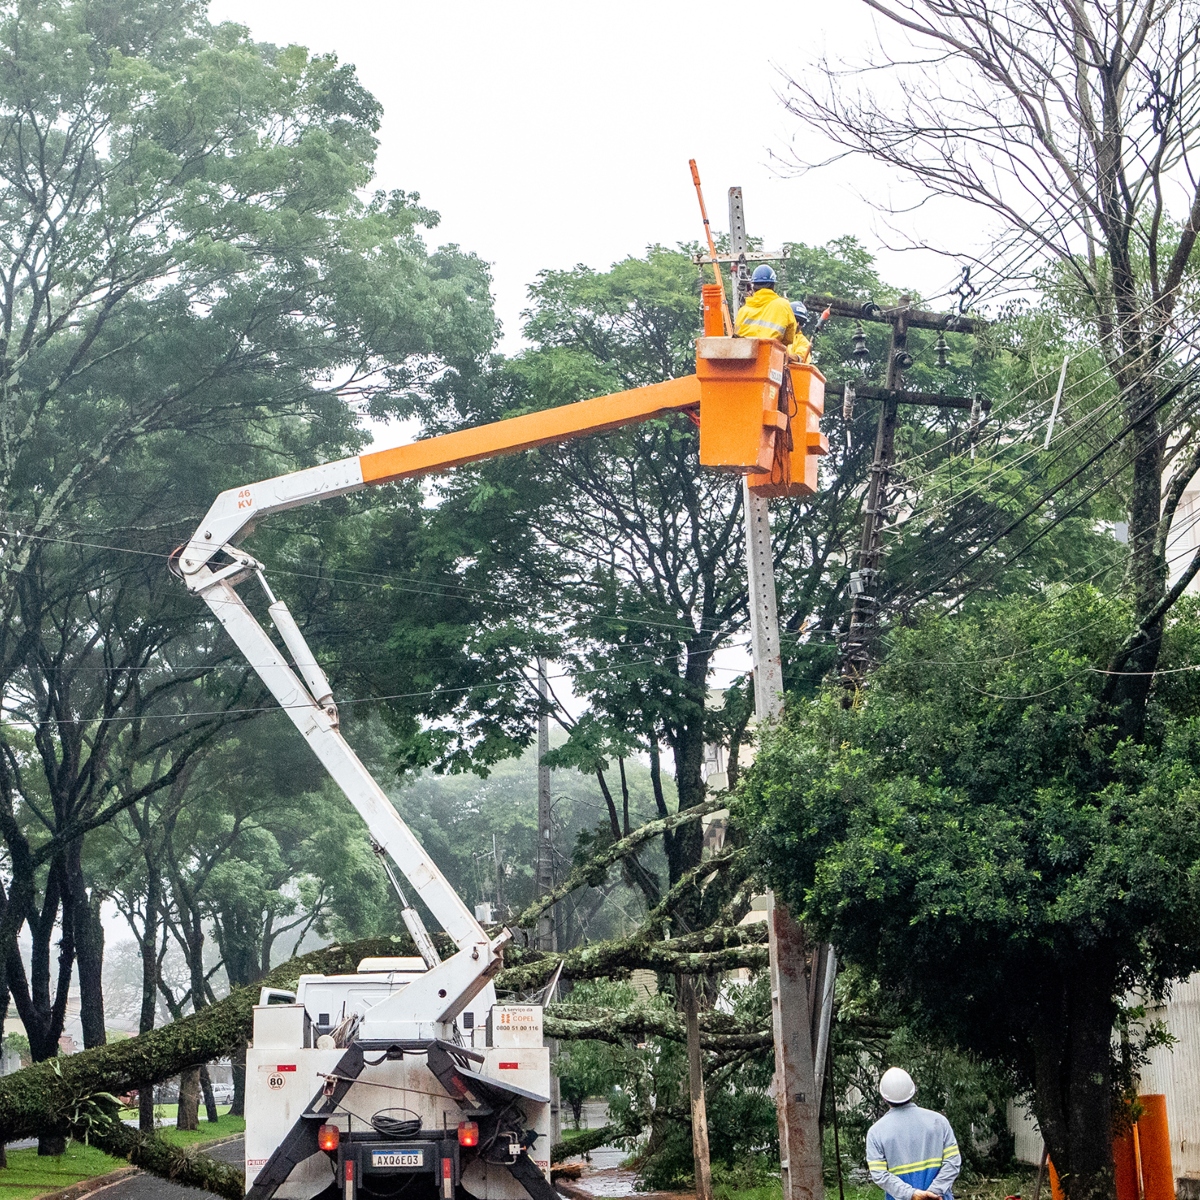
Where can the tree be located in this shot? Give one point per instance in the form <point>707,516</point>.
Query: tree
<point>1074,128</point>
<point>978,839</point>
<point>192,291</point>
<point>632,555</point>
<point>587,1069</point>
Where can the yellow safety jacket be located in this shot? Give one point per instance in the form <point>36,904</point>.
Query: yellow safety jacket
<point>801,347</point>
<point>766,315</point>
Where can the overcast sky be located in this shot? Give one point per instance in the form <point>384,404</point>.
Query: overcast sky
<point>549,134</point>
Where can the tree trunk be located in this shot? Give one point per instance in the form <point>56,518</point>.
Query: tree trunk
<point>1073,1078</point>
<point>188,1113</point>
<point>238,1062</point>
<point>146,1108</point>
<point>89,963</point>
<point>687,742</point>
<point>149,949</point>
<point>210,1101</point>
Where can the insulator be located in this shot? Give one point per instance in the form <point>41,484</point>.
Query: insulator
<point>847,403</point>
<point>941,347</point>
<point>860,350</point>
<point>904,360</point>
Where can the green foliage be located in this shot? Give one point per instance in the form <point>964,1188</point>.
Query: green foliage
<point>972,1092</point>
<point>589,1069</point>
<point>18,1043</point>
<point>743,1133</point>
<point>974,837</point>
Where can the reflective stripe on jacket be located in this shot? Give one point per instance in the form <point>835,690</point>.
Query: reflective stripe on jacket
<point>913,1149</point>
<point>766,315</point>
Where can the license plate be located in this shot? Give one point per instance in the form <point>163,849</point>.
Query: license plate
<point>402,1158</point>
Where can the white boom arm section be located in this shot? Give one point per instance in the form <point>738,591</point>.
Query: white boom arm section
<point>427,1006</point>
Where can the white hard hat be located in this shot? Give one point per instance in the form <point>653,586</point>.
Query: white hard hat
<point>896,1086</point>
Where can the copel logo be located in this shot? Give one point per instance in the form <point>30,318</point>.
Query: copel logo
<point>245,498</point>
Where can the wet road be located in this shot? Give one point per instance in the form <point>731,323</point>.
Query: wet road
<point>150,1187</point>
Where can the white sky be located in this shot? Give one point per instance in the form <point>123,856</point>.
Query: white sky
<point>549,134</point>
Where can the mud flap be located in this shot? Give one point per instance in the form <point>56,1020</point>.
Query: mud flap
<point>526,1172</point>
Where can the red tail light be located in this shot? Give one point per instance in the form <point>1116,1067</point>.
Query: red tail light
<point>468,1133</point>
<point>328,1137</point>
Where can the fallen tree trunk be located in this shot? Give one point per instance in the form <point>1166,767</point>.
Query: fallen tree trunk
<point>583,1144</point>
<point>189,1168</point>
<point>618,1027</point>
<point>593,871</point>
<point>709,951</point>
<point>49,1095</point>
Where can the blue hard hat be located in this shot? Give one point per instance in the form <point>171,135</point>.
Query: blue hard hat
<point>800,313</point>
<point>763,276</point>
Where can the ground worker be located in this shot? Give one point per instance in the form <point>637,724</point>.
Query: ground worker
<point>911,1152</point>
<point>765,314</point>
<point>801,347</point>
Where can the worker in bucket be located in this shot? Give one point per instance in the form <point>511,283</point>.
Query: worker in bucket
<point>766,314</point>
<point>801,347</point>
<point>912,1152</point>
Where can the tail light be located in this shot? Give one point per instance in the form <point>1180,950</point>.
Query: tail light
<point>328,1137</point>
<point>468,1133</point>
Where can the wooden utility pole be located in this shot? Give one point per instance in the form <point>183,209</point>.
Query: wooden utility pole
<point>797,1107</point>
<point>699,1104</point>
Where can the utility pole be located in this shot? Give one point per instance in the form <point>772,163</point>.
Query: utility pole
<point>863,604</point>
<point>547,926</point>
<point>863,621</point>
<point>699,1103</point>
<point>546,931</point>
<point>797,1105</point>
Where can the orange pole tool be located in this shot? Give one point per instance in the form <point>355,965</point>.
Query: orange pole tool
<point>712,250</point>
<point>1056,1187</point>
<point>1154,1144</point>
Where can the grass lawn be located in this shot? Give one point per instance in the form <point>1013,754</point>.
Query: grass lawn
<point>28,1175</point>
<point>226,1127</point>
<point>1019,1182</point>
<point>168,1112</point>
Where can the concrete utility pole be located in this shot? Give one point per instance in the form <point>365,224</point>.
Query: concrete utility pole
<point>546,926</point>
<point>797,1104</point>
<point>546,937</point>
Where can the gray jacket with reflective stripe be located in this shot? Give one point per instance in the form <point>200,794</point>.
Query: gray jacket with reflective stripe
<point>911,1149</point>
